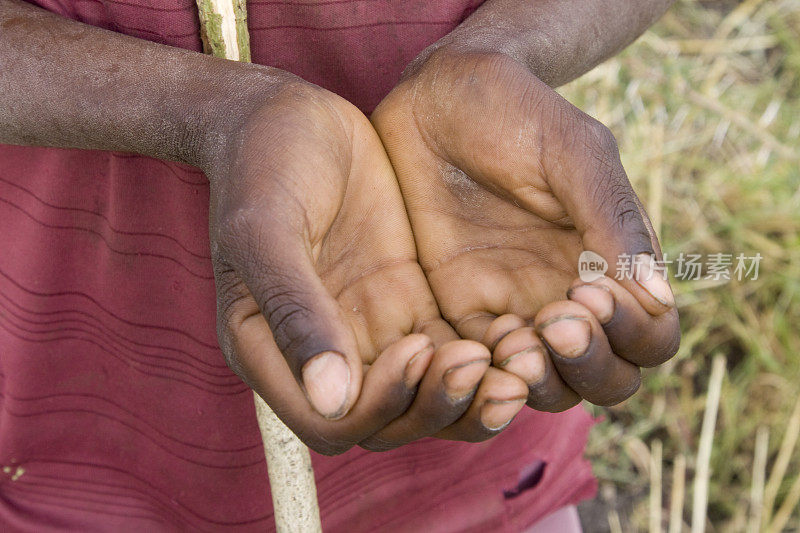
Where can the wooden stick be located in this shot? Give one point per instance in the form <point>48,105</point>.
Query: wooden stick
<point>223,29</point>
<point>291,477</point>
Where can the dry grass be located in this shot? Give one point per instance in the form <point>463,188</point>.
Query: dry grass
<point>706,108</point>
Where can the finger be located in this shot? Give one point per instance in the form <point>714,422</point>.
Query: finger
<point>583,356</point>
<point>306,322</point>
<point>591,183</point>
<point>499,328</point>
<point>443,396</point>
<point>388,389</point>
<point>633,333</point>
<point>523,354</point>
<point>474,325</point>
<point>499,398</point>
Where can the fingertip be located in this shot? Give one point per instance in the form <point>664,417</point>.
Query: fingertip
<point>464,348</point>
<point>647,276</point>
<point>461,380</point>
<point>504,395</point>
<point>595,297</point>
<point>500,327</point>
<point>567,335</point>
<point>522,353</point>
<point>646,336</point>
<point>497,414</point>
<point>421,352</point>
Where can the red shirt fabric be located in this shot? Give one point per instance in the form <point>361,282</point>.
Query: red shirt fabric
<point>117,412</point>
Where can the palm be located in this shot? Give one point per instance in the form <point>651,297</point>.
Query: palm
<point>319,285</point>
<point>327,199</point>
<point>484,255</point>
<point>492,237</point>
<point>506,183</point>
<point>364,250</point>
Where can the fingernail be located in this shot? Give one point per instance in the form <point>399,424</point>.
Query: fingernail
<point>416,367</point>
<point>460,381</point>
<point>652,280</point>
<point>497,414</point>
<point>568,336</point>
<point>528,364</point>
<point>597,298</point>
<point>326,379</point>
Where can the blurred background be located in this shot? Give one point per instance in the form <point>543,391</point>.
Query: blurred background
<point>706,108</point>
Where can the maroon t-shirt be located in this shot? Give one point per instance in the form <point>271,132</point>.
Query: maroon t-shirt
<point>117,410</point>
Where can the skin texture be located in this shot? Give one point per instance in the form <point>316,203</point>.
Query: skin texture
<point>313,253</point>
<point>506,184</point>
<point>557,40</point>
<point>323,307</point>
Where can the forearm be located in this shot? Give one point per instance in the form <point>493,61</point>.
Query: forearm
<point>67,84</point>
<point>557,39</point>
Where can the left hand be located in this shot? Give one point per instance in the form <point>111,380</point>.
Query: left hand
<point>506,183</point>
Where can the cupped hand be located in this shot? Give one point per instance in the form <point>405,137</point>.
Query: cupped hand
<point>505,184</point>
<point>323,308</point>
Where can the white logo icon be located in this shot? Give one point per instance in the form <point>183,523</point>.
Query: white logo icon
<point>591,266</point>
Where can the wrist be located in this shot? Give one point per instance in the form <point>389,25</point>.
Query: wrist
<point>212,117</point>
<point>450,56</point>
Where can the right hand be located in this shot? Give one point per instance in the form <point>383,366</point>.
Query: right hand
<point>322,307</point>
<point>506,183</point>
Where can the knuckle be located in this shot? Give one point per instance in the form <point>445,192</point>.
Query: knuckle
<point>612,193</point>
<point>286,313</point>
<point>626,215</point>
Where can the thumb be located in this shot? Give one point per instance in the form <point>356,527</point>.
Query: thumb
<point>592,185</point>
<point>306,321</point>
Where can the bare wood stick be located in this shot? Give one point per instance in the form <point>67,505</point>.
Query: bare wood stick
<point>223,29</point>
<point>291,477</point>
